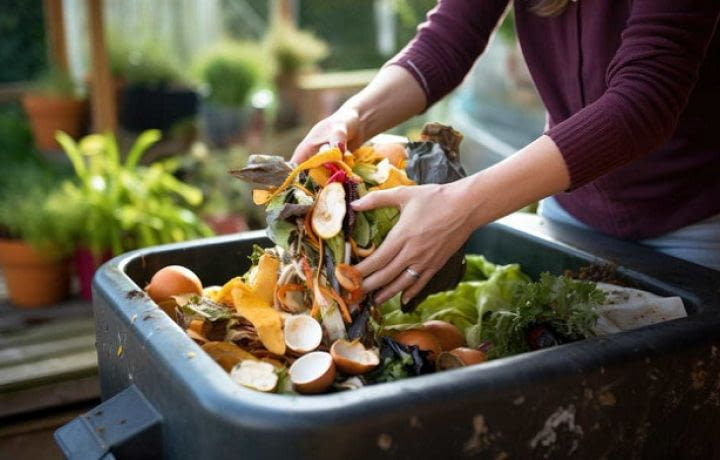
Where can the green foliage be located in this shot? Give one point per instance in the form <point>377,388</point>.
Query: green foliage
<point>16,142</point>
<point>121,205</point>
<point>22,47</point>
<point>231,70</point>
<point>55,83</point>
<point>148,63</point>
<point>223,194</point>
<point>28,212</point>
<point>294,49</point>
<point>498,303</point>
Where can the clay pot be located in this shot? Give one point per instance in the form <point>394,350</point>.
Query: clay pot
<point>32,278</point>
<point>50,114</point>
<point>86,264</point>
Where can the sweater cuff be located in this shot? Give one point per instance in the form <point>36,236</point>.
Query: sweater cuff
<point>591,142</point>
<point>426,72</point>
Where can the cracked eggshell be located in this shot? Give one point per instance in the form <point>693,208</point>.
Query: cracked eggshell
<point>446,333</point>
<point>303,333</point>
<point>422,339</point>
<point>313,372</point>
<point>353,358</point>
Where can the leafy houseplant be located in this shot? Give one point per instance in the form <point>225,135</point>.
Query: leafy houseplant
<point>121,205</point>
<point>53,104</point>
<point>229,72</point>
<point>34,238</point>
<point>227,206</point>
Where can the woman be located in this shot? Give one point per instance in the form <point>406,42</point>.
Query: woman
<point>631,89</point>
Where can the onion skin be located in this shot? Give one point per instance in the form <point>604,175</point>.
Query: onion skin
<point>171,281</point>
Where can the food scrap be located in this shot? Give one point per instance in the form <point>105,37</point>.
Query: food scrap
<point>297,321</point>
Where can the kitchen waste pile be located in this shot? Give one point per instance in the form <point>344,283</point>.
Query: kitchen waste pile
<point>298,320</point>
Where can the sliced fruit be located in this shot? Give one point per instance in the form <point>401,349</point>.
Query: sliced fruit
<point>329,212</point>
<point>446,333</point>
<point>313,372</point>
<point>353,358</point>
<point>422,339</point>
<point>303,333</point>
<point>257,375</point>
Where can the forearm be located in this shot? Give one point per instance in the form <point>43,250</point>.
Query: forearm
<point>392,97</point>
<point>533,173</point>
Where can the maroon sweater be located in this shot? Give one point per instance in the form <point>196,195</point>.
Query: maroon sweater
<point>632,90</point>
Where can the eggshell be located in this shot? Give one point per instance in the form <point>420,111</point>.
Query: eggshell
<point>171,281</point>
<point>313,372</point>
<point>352,357</point>
<point>422,339</point>
<point>446,333</point>
<point>469,356</point>
<point>303,333</point>
<point>395,153</point>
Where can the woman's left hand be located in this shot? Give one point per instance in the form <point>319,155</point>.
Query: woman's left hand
<point>434,223</point>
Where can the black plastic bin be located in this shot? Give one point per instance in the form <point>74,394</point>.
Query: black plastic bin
<point>652,392</point>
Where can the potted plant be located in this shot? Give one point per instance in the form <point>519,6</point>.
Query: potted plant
<point>152,91</point>
<point>52,104</point>
<point>229,72</point>
<point>294,51</point>
<point>34,239</point>
<point>122,205</point>
<point>227,206</point>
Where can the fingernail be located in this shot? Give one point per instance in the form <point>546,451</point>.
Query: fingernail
<point>379,300</point>
<point>355,203</point>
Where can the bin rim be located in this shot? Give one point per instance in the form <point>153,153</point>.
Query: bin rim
<point>211,387</point>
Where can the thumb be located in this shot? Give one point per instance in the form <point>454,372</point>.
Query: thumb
<point>303,151</point>
<point>379,199</point>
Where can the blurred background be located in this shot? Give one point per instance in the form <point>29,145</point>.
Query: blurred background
<point>157,100</point>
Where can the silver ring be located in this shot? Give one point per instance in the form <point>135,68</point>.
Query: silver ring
<point>412,273</point>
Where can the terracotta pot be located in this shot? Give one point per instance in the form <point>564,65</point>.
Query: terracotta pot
<point>33,279</point>
<point>86,264</point>
<point>50,114</point>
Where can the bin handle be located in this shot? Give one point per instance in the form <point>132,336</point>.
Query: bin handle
<point>124,426</point>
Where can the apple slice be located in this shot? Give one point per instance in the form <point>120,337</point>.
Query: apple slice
<point>329,212</point>
<point>257,375</point>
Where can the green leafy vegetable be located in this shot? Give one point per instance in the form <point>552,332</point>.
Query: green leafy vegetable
<point>361,230</point>
<point>498,303</point>
<point>279,230</point>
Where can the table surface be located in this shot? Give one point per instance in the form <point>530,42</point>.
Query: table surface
<point>47,356</point>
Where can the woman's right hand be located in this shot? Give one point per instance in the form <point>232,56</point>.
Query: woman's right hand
<point>341,128</point>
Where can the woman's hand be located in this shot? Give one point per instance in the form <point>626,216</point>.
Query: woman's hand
<point>435,220</point>
<point>392,97</point>
<point>341,128</point>
<point>433,225</point>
